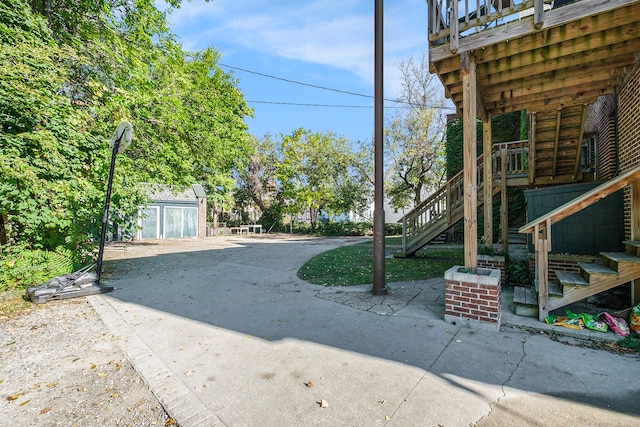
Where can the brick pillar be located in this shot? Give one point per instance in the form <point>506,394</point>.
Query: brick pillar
<point>202,217</point>
<point>473,299</point>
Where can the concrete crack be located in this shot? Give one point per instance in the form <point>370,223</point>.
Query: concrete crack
<point>427,371</point>
<point>513,371</point>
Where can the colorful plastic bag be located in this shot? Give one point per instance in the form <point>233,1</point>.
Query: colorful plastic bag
<point>617,324</point>
<point>564,321</point>
<point>590,321</point>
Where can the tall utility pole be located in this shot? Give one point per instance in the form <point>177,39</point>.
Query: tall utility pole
<point>379,286</point>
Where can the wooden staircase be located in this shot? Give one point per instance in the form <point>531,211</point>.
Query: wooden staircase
<point>616,269</point>
<point>435,215</point>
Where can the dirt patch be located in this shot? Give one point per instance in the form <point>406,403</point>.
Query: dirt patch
<point>59,366</point>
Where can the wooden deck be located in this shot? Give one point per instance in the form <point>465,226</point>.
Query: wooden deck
<point>577,53</point>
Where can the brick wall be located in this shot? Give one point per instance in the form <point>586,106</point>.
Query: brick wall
<point>472,299</point>
<point>629,133</point>
<point>568,263</point>
<point>493,262</point>
<point>202,217</point>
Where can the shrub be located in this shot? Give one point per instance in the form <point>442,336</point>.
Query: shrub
<point>21,267</point>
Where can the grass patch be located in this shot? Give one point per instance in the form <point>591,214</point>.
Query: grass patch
<point>353,265</point>
<point>13,303</point>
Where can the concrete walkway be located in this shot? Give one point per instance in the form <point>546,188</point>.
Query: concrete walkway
<point>225,333</point>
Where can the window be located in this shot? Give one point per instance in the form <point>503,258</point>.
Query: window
<point>149,223</point>
<point>180,222</point>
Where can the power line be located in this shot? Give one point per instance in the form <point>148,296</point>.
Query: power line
<point>323,88</point>
<point>300,104</point>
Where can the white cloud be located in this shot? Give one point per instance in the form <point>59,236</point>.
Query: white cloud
<point>337,34</point>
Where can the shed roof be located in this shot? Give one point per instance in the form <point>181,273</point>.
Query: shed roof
<point>163,192</point>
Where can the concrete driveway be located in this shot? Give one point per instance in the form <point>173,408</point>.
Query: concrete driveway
<point>225,333</point>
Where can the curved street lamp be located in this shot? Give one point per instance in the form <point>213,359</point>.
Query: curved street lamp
<point>83,282</point>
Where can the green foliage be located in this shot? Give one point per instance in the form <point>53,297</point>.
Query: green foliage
<point>21,267</point>
<point>71,71</point>
<point>319,172</point>
<point>272,218</point>
<point>353,265</point>
<point>414,150</point>
<point>518,272</point>
<point>631,342</point>
<point>392,229</point>
<point>504,128</point>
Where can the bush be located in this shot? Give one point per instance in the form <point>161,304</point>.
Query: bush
<point>21,267</point>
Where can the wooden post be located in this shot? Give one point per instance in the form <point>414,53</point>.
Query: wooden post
<point>635,234</point>
<point>504,202</point>
<point>532,148</point>
<point>470,142</point>
<point>543,284</point>
<point>453,27</point>
<point>538,13</point>
<point>488,183</point>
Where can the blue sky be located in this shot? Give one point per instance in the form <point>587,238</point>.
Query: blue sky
<point>325,43</point>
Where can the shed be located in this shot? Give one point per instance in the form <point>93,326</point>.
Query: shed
<point>173,212</point>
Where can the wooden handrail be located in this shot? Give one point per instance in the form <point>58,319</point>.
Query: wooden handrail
<point>583,201</point>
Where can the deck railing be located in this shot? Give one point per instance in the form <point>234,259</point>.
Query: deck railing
<point>446,204</point>
<point>449,20</point>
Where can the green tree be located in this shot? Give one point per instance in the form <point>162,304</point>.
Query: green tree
<point>414,137</point>
<point>72,69</point>
<point>319,172</point>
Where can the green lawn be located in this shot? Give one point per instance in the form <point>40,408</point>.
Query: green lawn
<point>352,265</point>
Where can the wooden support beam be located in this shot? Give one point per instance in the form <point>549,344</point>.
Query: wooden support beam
<point>577,173</point>
<point>556,142</point>
<point>635,234</point>
<point>504,202</point>
<point>488,182</point>
<point>468,70</point>
<point>532,147</point>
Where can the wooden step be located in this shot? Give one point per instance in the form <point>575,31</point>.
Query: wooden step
<point>590,269</point>
<point>632,247</point>
<point>555,289</point>
<point>525,301</point>
<point>614,259</point>
<point>571,279</point>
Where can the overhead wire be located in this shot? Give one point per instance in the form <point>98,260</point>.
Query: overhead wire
<point>270,76</point>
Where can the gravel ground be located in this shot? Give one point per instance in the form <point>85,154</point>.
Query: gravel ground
<point>59,366</point>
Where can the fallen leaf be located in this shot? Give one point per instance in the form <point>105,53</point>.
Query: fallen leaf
<point>45,410</point>
<point>14,397</point>
<point>118,366</point>
<point>81,389</point>
<point>115,395</point>
<point>102,374</point>
<point>170,422</point>
<point>51,385</point>
<point>387,417</point>
<point>34,327</point>
<point>25,402</point>
<point>309,384</point>
<point>323,403</point>
<point>205,385</point>
<point>92,366</point>
<point>76,359</point>
<point>382,401</point>
<point>188,373</point>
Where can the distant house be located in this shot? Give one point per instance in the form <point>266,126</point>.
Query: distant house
<point>173,212</point>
